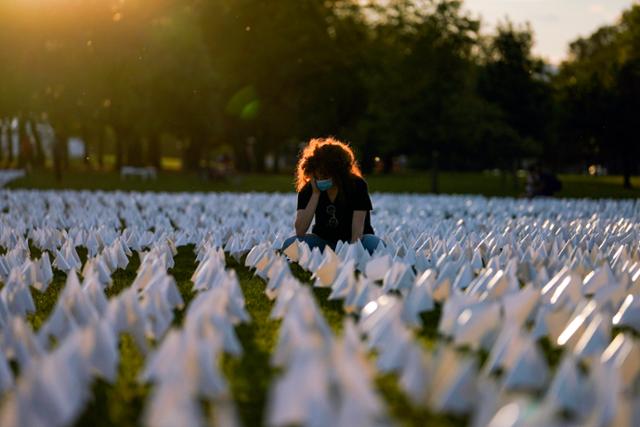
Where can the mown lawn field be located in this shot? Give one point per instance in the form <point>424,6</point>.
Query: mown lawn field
<point>487,184</point>
<point>251,375</point>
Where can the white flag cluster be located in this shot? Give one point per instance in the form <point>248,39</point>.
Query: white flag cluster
<point>184,367</point>
<point>326,380</point>
<point>507,274</point>
<point>504,283</point>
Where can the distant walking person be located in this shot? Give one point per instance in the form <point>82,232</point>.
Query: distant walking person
<point>331,188</point>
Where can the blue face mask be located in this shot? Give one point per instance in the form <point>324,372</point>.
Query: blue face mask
<point>324,184</point>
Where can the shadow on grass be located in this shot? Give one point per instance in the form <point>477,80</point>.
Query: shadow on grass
<point>121,403</point>
<point>183,268</point>
<point>407,413</point>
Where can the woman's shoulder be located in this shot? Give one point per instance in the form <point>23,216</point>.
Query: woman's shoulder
<point>305,188</point>
<point>357,185</point>
<point>358,182</point>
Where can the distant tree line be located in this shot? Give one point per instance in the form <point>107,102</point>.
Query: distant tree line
<point>413,77</point>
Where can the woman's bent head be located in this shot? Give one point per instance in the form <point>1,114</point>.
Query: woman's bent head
<point>326,158</point>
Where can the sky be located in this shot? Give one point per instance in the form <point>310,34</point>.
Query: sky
<point>556,23</point>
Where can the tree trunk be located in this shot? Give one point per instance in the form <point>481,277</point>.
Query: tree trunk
<point>191,154</point>
<point>40,156</point>
<point>387,163</point>
<point>134,151</point>
<point>65,152</point>
<point>86,137</point>
<point>626,172</point>
<point>250,152</point>
<point>24,144</point>
<point>240,159</point>
<point>9,144</point>
<point>58,155</point>
<point>119,134</point>
<point>366,158</point>
<point>100,148</point>
<point>3,136</point>
<point>154,151</point>
<point>276,161</point>
<point>260,154</point>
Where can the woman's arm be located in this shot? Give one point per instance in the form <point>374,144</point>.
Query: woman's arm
<point>357,225</point>
<point>305,216</point>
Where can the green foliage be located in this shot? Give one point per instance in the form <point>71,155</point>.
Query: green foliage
<point>414,77</point>
<point>599,92</point>
<point>519,85</point>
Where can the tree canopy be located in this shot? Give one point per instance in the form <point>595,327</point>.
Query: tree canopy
<point>420,78</point>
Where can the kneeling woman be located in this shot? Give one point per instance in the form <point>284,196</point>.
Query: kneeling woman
<point>330,187</point>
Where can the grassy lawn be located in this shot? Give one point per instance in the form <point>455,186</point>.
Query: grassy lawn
<point>399,406</point>
<point>251,375</point>
<point>487,184</point>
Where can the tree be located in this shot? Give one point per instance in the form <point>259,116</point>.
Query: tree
<point>518,84</point>
<point>288,70</point>
<point>420,80</point>
<point>599,86</point>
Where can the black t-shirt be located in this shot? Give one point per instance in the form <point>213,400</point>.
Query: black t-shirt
<point>333,219</point>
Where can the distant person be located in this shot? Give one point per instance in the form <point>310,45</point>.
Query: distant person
<point>331,188</point>
<point>541,183</point>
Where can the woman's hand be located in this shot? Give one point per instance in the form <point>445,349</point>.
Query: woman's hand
<point>305,216</point>
<point>314,186</point>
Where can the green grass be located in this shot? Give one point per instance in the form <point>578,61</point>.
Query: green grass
<point>251,375</point>
<point>400,407</point>
<point>407,413</point>
<point>166,182</point>
<point>122,278</point>
<point>488,184</point>
<point>183,268</point>
<point>46,301</point>
<point>331,310</point>
<point>121,403</point>
<point>598,187</point>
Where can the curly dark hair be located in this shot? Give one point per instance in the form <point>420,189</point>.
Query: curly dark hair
<point>327,156</point>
